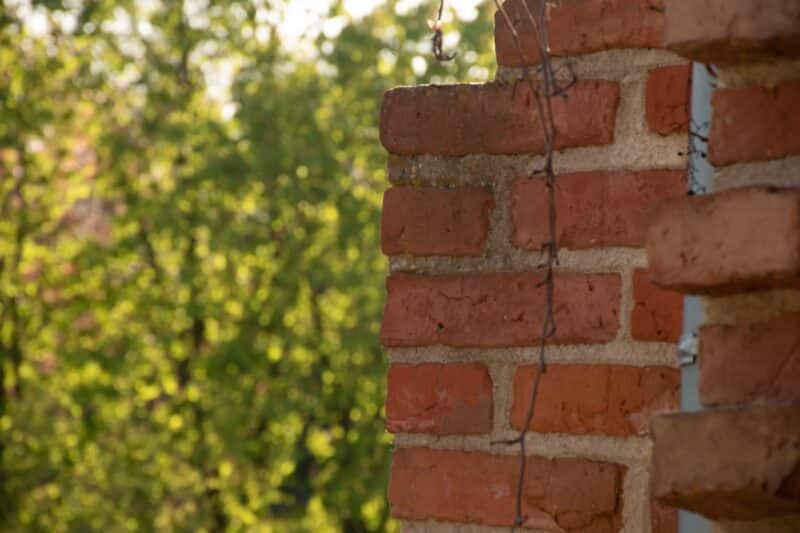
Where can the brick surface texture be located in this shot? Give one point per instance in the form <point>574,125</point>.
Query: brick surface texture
<point>493,119</point>
<point>741,464</point>
<point>747,362</point>
<point>733,32</point>
<point>733,241</point>
<point>443,399</point>
<point>581,27</point>
<point>668,98</point>
<point>430,221</point>
<point>595,399</point>
<point>498,309</point>
<point>657,313</point>
<point>595,209</point>
<point>571,495</point>
<point>755,124</point>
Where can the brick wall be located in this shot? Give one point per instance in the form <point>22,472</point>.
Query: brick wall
<point>738,460</point>
<point>463,224</point>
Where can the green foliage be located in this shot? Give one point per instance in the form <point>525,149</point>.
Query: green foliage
<point>190,297</point>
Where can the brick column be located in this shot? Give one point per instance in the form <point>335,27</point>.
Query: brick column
<point>463,225</point>
<point>738,461</point>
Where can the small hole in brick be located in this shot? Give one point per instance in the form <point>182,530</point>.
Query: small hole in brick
<point>440,325</point>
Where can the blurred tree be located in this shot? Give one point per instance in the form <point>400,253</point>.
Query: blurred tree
<point>190,278</point>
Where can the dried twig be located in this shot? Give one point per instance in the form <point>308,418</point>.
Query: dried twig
<point>543,92</point>
<point>438,37</point>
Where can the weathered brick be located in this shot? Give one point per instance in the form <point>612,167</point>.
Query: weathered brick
<point>494,118</point>
<point>733,464</point>
<point>595,399</point>
<point>581,27</point>
<point>755,124</point>
<point>444,399</point>
<point>568,495</point>
<point>667,99</point>
<point>430,221</point>
<point>749,362</point>
<point>505,309</point>
<point>663,519</point>
<point>732,241</point>
<point>657,314</point>
<point>594,209</point>
<point>725,32</point>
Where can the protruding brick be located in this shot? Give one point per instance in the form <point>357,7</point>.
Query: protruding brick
<point>748,362</point>
<point>667,99</point>
<point>568,495</point>
<point>755,124</point>
<point>732,241</point>
<point>594,209</point>
<point>580,27</point>
<point>726,32</point>
<point>457,120</point>
<point>486,310</point>
<point>595,399</point>
<point>657,314</point>
<point>736,464</point>
<point>663,519</point>
<point>444,399</point>
<point>430,221</point>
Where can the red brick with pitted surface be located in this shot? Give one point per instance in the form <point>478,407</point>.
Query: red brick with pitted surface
<point>595,209</point>
<point>747,362</point>
<point>729,32</point>
<point>667,99</point>
<point>444,399</point>
<point>595,399</point>
<point>657,314</point>
<point>569,495</point>
<point>755,124</point>
<point>733,241</point>
<point>431,221</point>
<point>736,464</point>
<point>505,309</point>
<point>494,118</point>
<point>578,27</point>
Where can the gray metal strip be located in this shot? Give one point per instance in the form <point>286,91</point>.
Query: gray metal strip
<point>701,182</point>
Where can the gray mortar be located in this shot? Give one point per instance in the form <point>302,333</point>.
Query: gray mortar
<point>639,354</point>
<point>629,353</point>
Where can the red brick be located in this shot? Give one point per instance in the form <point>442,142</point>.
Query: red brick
<point>725,32</point>
<point>444,399</point>
<point>594,209</point>
<point>567,495</point>
<point>733,464</point>
<point>733,241</point>
<point>595,399</point>
<point>506,309</point>
<point>667,99</point>
<point>430,221</point>
<point>457,120</point>
<point>748,362</point>
<point>755,124</point>
<point>663,519</point>
<point>580,27</point>
<point>657,314</point>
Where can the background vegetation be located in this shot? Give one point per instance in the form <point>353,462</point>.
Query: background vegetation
<point>190,275</point>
